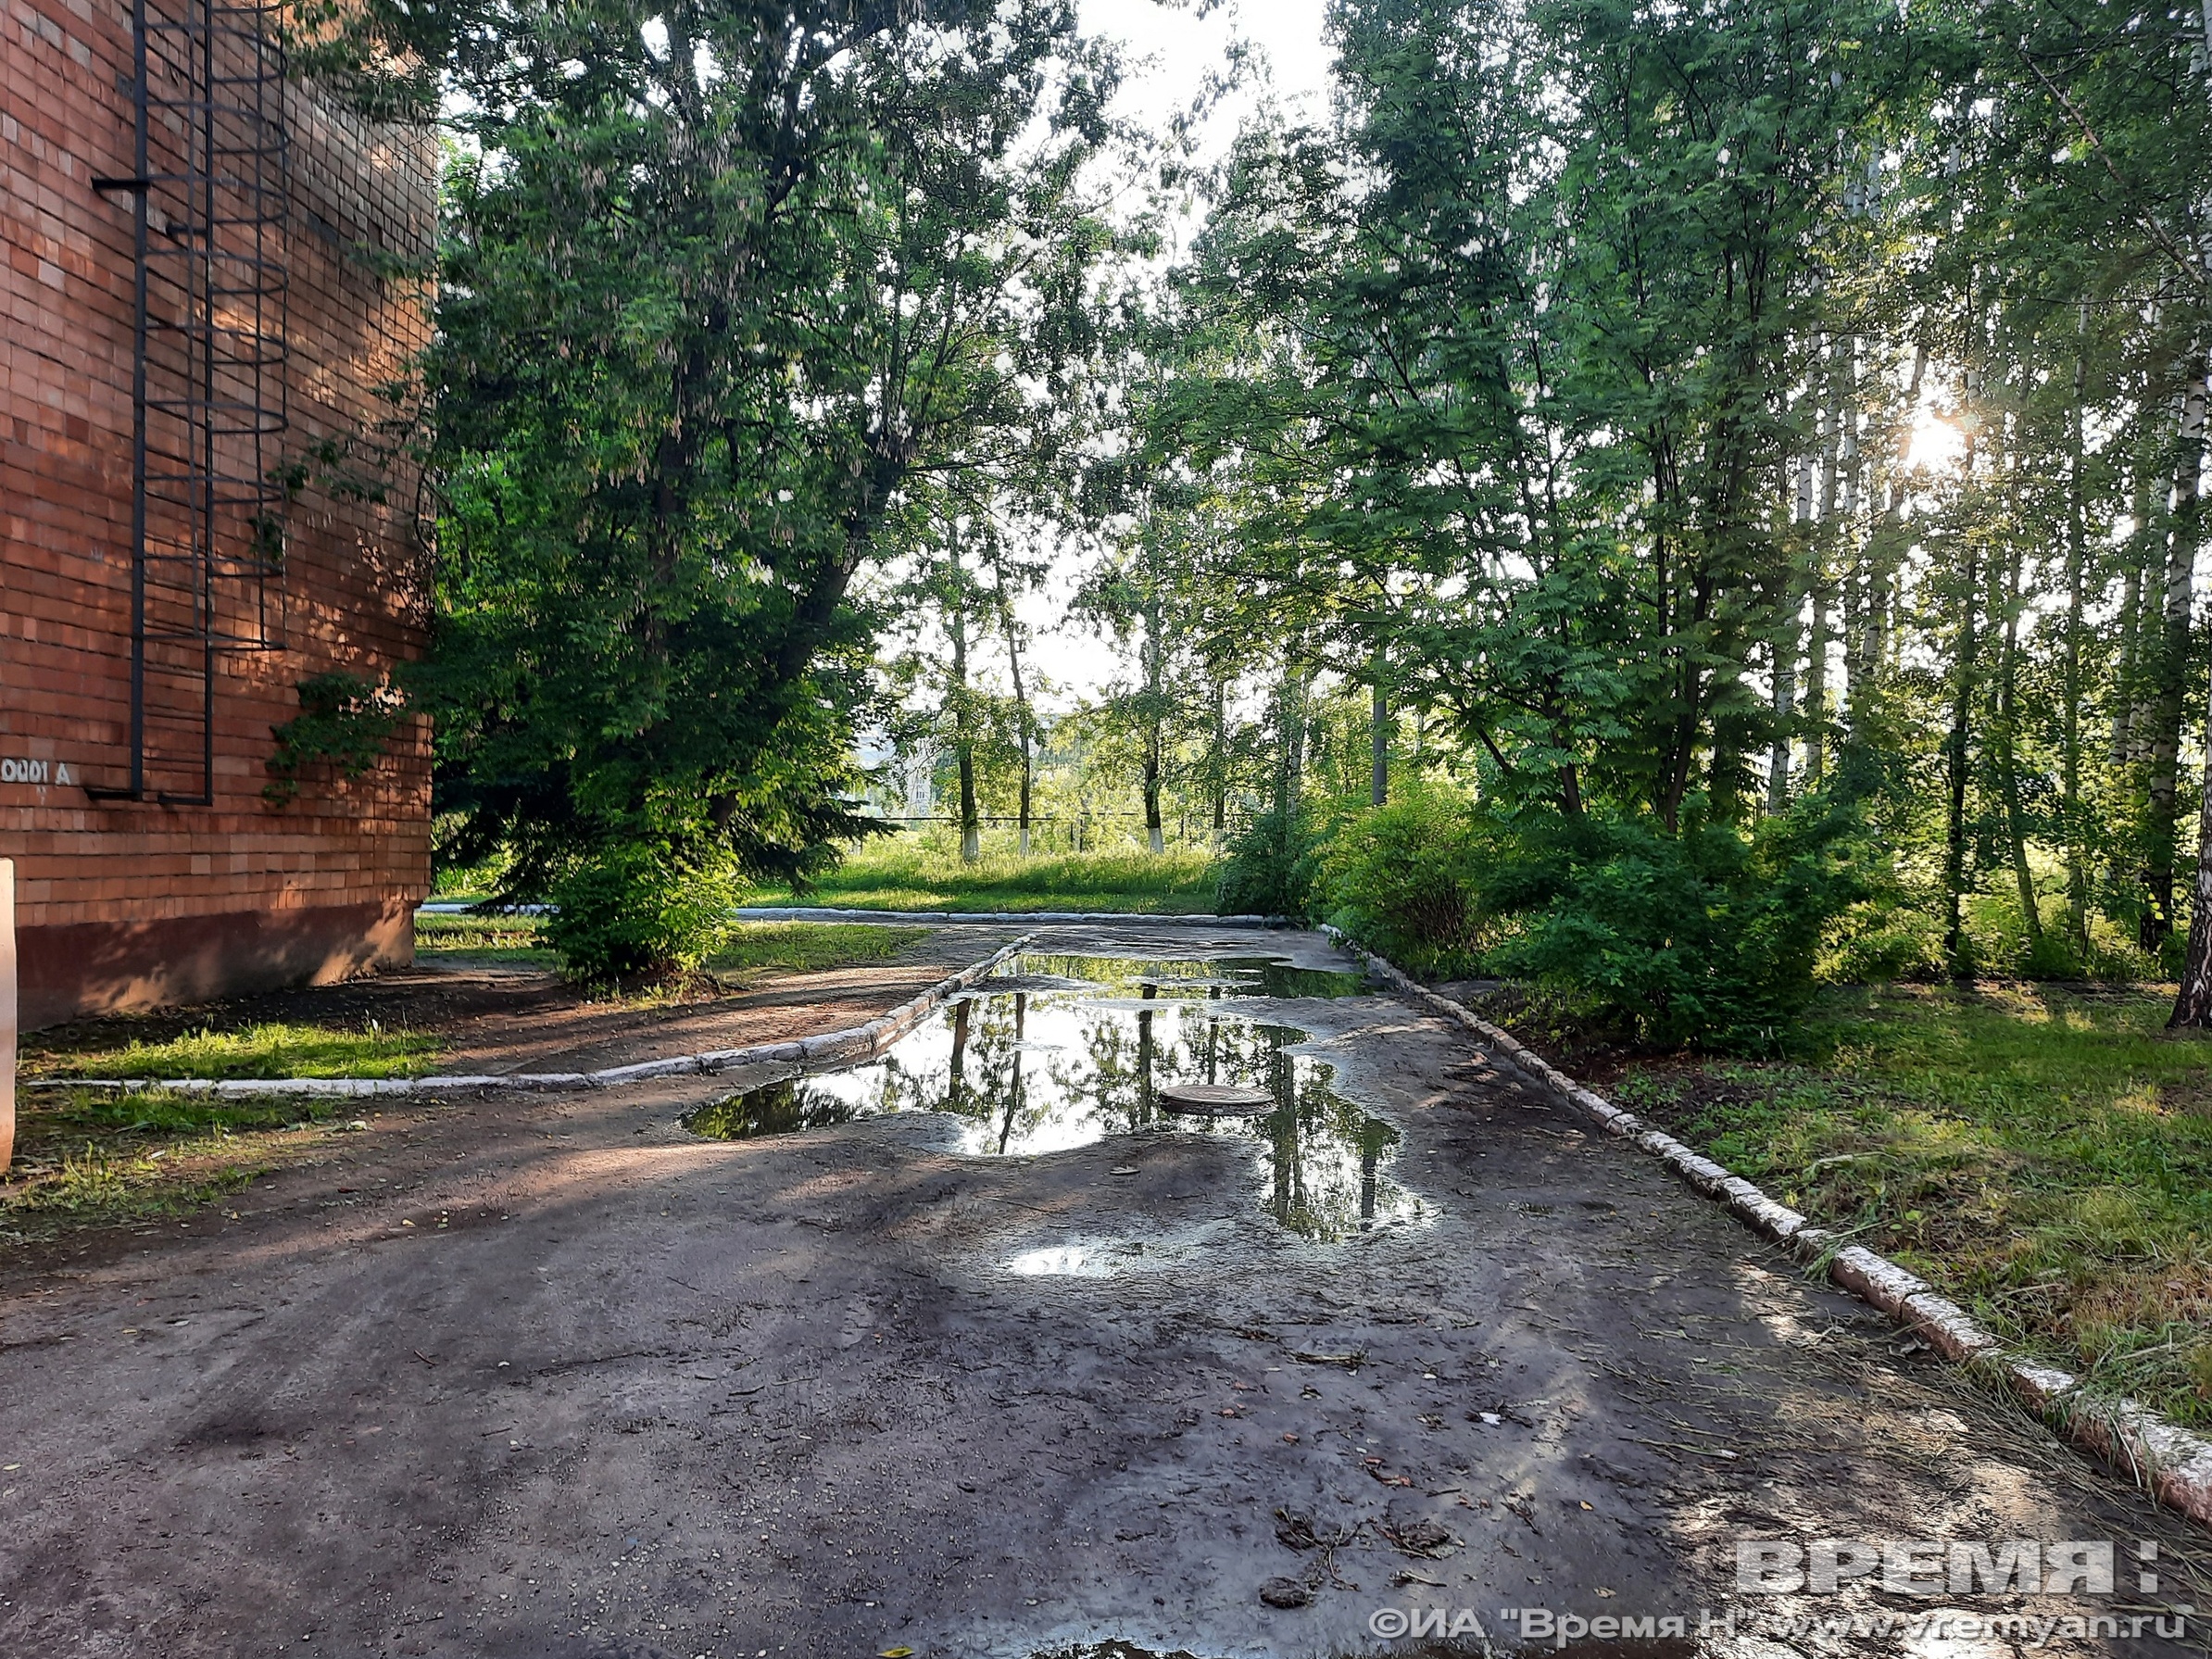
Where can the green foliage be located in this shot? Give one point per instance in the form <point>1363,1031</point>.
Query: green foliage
<point>1271,868</point>
<point>1404,880</point>
<point>637,912</point>
<point>1881,939</point>
<point>344,722</point>
<point>682,405</point>
<point>1896,933</point>
<point>1709,937</point>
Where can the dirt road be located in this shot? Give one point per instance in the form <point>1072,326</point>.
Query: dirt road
<point>548,1375</point>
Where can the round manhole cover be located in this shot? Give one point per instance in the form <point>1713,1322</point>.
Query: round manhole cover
<point>1220,1100</point>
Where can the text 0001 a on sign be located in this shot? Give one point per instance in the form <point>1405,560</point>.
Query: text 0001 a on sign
<point>24,771</point>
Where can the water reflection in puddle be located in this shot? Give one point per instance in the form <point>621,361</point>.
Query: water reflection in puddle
<point>1216,977</point>
<point>1084,1053</point>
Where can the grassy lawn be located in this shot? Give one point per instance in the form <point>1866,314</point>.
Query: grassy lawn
<point>900,875</point>
<point>755,948</point>
<point>271,1050</point>
<point>90,1160</point>
<point>762,947</point>
<point>2043,1155</point>
<point>513,940</point>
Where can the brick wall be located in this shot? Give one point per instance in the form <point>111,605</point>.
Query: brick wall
<point>133,903</point>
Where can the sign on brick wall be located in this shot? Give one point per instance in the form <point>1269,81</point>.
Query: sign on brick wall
<point>26,770</point>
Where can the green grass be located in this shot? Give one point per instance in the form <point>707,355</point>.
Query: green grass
<point>271,1050</point>
<point>513,940</point>
<point>2042,1155</point>
<point>808,947</point>
<point>754,948</point>
<point>87,1159</point>
<point>895,874</point>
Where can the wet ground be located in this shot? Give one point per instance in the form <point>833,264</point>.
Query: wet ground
<point>559,1376</point>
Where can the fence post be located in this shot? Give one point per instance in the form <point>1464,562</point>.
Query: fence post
<point>7,1013</point>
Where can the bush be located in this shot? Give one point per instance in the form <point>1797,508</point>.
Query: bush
<point>1897,934</point>
<point>1884,938</point>
<point>1707,937</point>
<point>1270,869</point>
<point>643,910</point>
<point>1401,879</point>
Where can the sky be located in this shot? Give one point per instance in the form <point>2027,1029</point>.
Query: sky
<point>1181,47</point>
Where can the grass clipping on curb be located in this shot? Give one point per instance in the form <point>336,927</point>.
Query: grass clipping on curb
<point>2043,1155</point>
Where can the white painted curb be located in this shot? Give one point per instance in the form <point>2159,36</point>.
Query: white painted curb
<point>2166,1460</point>
<point>854,1043</point>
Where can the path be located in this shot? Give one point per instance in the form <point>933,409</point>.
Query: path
<point>559,1380</point>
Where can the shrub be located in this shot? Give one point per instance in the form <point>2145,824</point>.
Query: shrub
<point>1885,938</point>
<point>1707,937</point>
<point>1270,869</point>
<point>1401,879</point>
<point>641,910</point>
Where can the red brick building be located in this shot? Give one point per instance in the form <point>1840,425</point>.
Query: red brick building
<point>205,274</point>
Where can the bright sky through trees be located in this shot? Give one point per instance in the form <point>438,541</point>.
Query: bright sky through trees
<point>1182,48</point>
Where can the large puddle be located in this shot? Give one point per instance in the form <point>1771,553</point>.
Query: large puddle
<point>1062,1052</point>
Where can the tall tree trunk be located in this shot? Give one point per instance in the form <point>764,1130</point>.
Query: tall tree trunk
<point>2069,778</point>
<point>1013,656</point>
<point>1954,747</point>
<point>1814,718</point>
<point>1219,777</point>
<point>1781,681</point>
<point>2193,1005</point>
<point>1954,757</point>
<point>971,826</point>
<point>1852,569</point>
<point>2161,819</point>
<point>1885,538</point>
<point>1155,677</point>
<point>1378,736</point>
<point>2129,669</point>
<point>2008,756</point>
<point>1816,584</point>
<point>1783,697</point>
<point>1290,722</point>
<point>963,736</point>
<point>1154,834</point>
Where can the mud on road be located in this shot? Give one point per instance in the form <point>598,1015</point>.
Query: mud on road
<point>553,1375</point>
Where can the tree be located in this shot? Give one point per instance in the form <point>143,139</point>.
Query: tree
<point>728,289</point>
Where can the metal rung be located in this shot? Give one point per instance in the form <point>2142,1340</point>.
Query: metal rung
<point>209,396</point>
